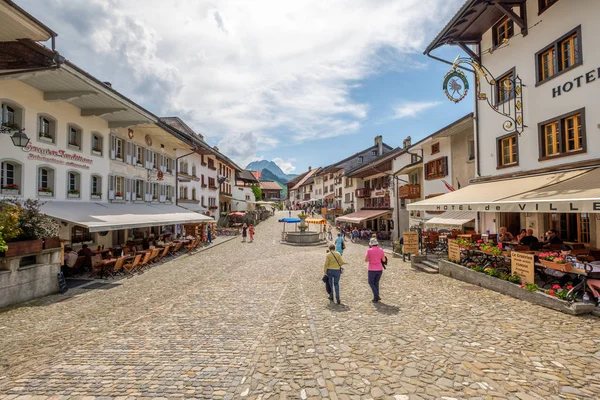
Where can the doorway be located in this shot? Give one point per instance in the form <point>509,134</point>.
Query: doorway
<point>512,222</point>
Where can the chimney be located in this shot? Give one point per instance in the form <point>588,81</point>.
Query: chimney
<point>379,144</point>
<point>309,167</point>
<point>216,148</point>
<point>406,142</point>
<point>108,84</point>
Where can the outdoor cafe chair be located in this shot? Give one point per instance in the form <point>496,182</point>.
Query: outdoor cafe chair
<point>118,266</point>
<point>190,247</point>
<point>162,254</point>
<point>176,248</point>
<point>153,255</point>
<point>144,263</point>
<point>132,266</point>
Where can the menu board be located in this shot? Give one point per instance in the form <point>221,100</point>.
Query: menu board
<point>411,242</point>
<point>522,264</point>
<point>453,251</point>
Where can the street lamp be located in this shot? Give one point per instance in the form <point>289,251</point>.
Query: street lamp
<point>19,138</point>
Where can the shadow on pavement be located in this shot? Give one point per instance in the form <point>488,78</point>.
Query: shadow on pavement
<point>386,309</point>
<point>338,307</point>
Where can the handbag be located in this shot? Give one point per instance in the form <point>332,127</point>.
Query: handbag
<point>384,262</point>
<point>343,245</point>
<point>336,260</point>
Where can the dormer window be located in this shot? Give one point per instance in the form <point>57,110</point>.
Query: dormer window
<point>360,160</point>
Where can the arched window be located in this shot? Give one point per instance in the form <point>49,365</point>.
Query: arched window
<point>74,137</point>
<point>73,185</point>
<point>45,182</point>
<point>97,144</point>
<point>96,187</point>
<point>193,169</point>
<point>46,129</point>
<point>11,115</point>
<point>10,177</point>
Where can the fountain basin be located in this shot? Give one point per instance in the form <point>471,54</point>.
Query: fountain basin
<point>304,239</point>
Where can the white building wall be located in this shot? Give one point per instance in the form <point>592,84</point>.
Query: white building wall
<point>241,196</point>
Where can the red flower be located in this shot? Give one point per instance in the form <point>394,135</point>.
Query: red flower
<point>557,287</point>
<point>480,241</point>
<point>569,287</point>
<point>522,286</point>
<point>551,293</point>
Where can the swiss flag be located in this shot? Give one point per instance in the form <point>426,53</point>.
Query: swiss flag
<point>450,188</point>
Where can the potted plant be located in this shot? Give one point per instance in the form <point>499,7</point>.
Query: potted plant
<point>138,197</point>
<point>490,248</point>
<point>45,137</point>
<point>555,261</point>
<point>118,196</point>
<point>97,151</point>
<point>10,189</point>
<point>464,243</point>
<point>12,126</point>
<point>45,192</point>
<point>73,193</point>
<point>96,195</point>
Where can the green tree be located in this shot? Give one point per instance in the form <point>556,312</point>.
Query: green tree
<point>257,192</point>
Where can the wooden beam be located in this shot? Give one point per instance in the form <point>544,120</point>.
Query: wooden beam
<point>125,124</point>
<point>470,52</point>
<point>98,112</point>
<point>67,95</point>
<point>511,14</point>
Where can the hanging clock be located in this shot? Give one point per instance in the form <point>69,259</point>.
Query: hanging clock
<point>148,140</point>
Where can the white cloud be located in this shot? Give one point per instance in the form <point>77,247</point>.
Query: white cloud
<point>286,166</point>
<point>283,70</point>
<point>412,109</point>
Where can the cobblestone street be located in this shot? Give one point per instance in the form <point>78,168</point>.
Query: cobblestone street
<point>251,320</point>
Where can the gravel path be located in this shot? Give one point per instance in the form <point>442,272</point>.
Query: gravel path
<point>251,320</point>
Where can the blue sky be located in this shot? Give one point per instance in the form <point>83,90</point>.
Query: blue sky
<point>297,82</point>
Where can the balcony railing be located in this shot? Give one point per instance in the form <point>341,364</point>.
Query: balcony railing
<point>409,192</point>
<point>363,193</point>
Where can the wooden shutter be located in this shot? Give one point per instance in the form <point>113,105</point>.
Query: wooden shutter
<point>127,158</point>
<point>113,145</point>
<point>426,170</point>
<point>445,166</point>
<point>111,187</point>
<point>128,190</point>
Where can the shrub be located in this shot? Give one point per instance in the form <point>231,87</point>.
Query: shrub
<point>492,272</point>
<point>33,223</point>
<point>9,220</point>
<point>515,279</point>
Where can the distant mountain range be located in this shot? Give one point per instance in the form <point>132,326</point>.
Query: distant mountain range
<point>270,166</point>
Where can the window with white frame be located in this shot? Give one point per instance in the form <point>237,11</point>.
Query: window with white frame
<point>212,201</point>
<point>119,186</point>
<point>96,186</point>
<point>73,137</point>
<point>155,160</point>
<point>193,169</point>
<point>116,148</point>
<point>97,144</point>
<point>155,191</point>
<point>11,116</point>
<point>73,184</point>
<point>193,193</point>
<point>139,189</point>
<point>139,156</point>
<point>45,181</point>
<point>10,178</point>
<point>46,129</point>
<point>169,165</point>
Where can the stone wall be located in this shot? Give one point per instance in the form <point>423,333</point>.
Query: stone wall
<point>19,284</point>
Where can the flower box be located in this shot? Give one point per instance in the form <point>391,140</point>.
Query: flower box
<point>97,153</point>
<point>564,267</point>
<point>10,192</point>
<point>96,196</point>
<point>51,243</point>
<point>24,248</point>
<point>118,198</point>
<point>46,139</point>
<point>73,146</point>
<point>45,194</point>
<point>73,195</point>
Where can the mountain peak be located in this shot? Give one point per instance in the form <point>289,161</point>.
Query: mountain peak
<point>271,167</point>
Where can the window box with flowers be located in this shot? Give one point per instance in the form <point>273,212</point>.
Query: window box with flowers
<point>212,207</point>
<point>11,126</point>
<point>45,137</point>
<point>118,196</point>
<point>555,261</point>
<point>154,199</point>
<point>96,196</point>
<point>73,194</point>
<point>97,151</point>
<point>45,192</point>
<point>73,145</point>
<point>11,189</point>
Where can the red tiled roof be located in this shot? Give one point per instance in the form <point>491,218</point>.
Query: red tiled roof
<point>269,185</point>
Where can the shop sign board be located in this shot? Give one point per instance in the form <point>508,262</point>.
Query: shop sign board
<point>411,242</point>
<point>453,251</point>
<point>522,264</point>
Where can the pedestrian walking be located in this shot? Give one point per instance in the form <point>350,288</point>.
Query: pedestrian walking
<point>244,232</point>
<point>329,234</point>
<point>376,258</point>
<point>333,270</point>
<point>209,235</point>
<point>290,213</point>
<point>339,244</point>
<point>251,232</point>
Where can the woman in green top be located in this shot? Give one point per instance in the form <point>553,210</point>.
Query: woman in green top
<point>333,270</point>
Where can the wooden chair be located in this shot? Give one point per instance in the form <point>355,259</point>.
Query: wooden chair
<point>162,254</point>
<point>144,263</point>
<point>190,247</point>
<point>116,269</point>
<point>132,266</point>
<point>176,248</point>
<point>153,255</point>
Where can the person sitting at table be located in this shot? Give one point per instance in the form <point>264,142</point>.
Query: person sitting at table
<point>504,235</point>
<point>87,253</point>
<point>528,239</point>
<point>521,235</point>
<point>594,284</point>
<point>552,238</point>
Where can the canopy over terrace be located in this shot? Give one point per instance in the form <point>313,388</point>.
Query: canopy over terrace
<point>100,217</point>
<point>452,219</point>
<point>567,192</point>
<point>362,215</point>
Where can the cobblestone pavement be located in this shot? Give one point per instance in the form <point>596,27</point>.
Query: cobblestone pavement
<point>251,320</point>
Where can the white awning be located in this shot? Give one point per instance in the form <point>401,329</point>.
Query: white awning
<point>362,215</point>
<point>518,195</point>
<point>98,217</point>
<point>452,218</point>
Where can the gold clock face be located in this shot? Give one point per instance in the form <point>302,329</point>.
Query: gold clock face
<point>148,140</point>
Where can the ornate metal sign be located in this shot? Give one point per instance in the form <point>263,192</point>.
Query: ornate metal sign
<point>456,87</point>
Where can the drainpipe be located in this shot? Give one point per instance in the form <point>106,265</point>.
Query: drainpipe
<point>177,175</point>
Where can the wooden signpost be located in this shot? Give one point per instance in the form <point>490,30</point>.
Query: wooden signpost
<point>453,251</point>
<point>522,264</point>
<point>411,244</point>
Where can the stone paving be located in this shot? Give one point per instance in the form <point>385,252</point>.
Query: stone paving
<point>251,321</point>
